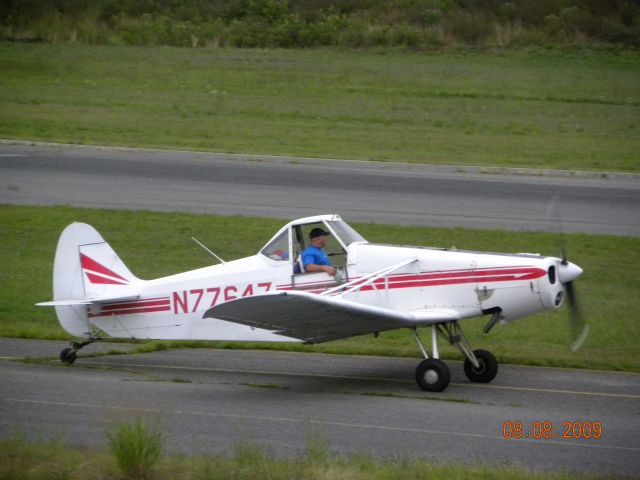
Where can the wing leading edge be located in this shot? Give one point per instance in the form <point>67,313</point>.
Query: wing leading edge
<point>314,318</point>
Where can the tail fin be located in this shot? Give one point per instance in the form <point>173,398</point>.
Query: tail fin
<point>85,270</point>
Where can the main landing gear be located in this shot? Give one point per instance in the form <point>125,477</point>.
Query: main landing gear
<point>68,355</point>
<point>433,374</point>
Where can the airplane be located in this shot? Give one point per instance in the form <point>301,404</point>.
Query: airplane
<point>269,297</point>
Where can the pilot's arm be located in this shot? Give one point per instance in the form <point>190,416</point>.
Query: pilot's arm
<point>312,267</point>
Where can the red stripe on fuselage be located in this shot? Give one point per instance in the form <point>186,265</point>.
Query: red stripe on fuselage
<point>130,311</point>
<point>439,278</point>
<point>457,278</point>
<point>148,305</point>
<point>152,302</point>
<point>517,273</point>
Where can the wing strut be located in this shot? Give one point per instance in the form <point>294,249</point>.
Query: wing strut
<point>358,283</point>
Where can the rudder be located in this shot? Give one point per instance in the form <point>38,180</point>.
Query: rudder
<point>85,268</point>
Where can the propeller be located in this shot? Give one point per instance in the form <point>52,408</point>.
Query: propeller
<point>567,273</point>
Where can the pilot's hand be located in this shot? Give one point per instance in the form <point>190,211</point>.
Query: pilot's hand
<point>330,270</point>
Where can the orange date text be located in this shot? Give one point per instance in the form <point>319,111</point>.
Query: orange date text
<point>544,429</point>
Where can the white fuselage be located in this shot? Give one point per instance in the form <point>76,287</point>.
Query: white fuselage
<point>468,282</point>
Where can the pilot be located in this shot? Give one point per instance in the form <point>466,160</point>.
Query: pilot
<point>314,258</point>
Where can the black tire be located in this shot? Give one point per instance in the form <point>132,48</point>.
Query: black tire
<point>67,356</point>
<point>488,367</point>
<point>433,375</point>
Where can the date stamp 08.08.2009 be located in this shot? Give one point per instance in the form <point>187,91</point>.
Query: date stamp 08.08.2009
<point>545,430</point>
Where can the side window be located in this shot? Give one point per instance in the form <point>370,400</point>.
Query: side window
<point>278,249</point>
<point>334,250</point>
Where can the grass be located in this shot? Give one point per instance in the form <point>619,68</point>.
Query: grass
<point>568,109</point>
<point>136,447</point>
<point>48,460</point>
<point>607,290</point>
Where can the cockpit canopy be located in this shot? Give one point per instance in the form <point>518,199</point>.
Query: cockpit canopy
<point>292,239</point>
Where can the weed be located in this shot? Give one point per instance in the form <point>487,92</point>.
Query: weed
<point>422,397</point>
<point>268,386</point>
<point>136,447</point>
<point>181,380</point>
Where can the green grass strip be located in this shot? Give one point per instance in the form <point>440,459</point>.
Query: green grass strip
<point>607,290</point>
<point>550,109</point>
<point>48,460</point>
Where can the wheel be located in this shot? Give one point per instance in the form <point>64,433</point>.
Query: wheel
<point>68,356</point>
<point>487,370</point>
<point>433,375</point>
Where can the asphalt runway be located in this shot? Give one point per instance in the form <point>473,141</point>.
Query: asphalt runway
<point>290,188</point>
<point>208,400</point>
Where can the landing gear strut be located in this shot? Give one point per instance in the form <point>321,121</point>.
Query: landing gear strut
<point>433,375</point>
<point>68,355</point>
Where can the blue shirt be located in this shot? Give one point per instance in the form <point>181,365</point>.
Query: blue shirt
<point>315,255</point>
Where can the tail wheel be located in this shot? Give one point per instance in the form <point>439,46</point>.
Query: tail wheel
<point>487,369</point>
<point>433,375</point>
<point>68,356</point>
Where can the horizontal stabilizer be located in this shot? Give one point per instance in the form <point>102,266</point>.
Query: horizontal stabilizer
<point>87,301</point>
<point>314,318</point>
<point>63,303</point>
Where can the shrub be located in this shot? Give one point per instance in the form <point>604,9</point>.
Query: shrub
<point>136,447</point>
<point>309,23</point>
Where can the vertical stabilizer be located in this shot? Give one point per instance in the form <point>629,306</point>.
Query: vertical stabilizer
<point>86,268</point>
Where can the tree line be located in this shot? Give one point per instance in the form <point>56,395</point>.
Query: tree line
<point>417,24</point>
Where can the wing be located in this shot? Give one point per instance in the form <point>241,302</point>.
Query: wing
<point>314,318</point>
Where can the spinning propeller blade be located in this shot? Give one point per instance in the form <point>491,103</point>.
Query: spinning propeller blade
<point>579,328</point>
<point>567,273</point>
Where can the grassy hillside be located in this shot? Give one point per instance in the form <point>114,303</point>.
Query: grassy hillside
<point>421,24</point>
<point>607,290</point>
<point>557,109</point>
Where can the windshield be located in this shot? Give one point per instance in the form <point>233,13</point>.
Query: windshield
<point>278,248</point>
<point>346,234</point>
